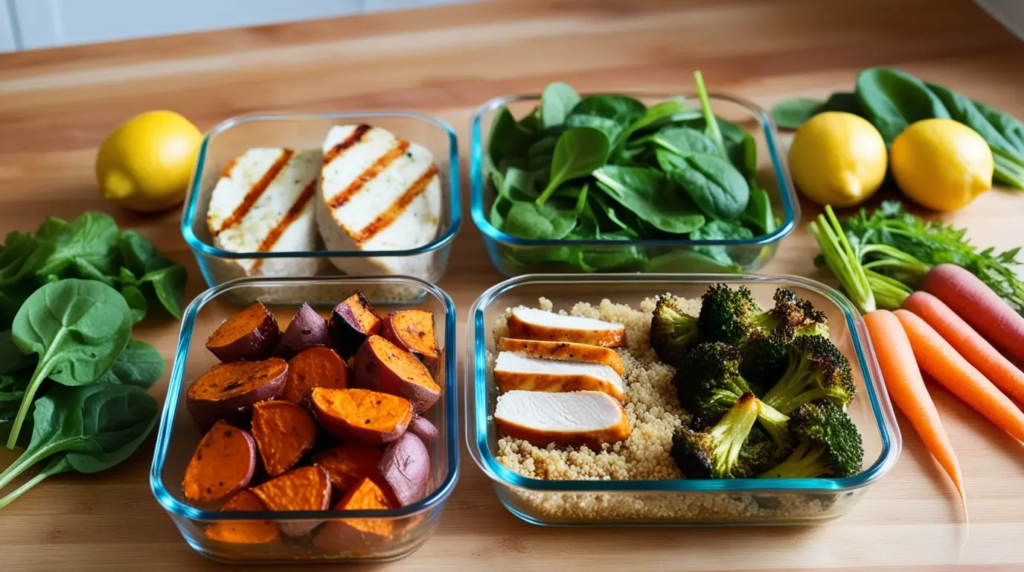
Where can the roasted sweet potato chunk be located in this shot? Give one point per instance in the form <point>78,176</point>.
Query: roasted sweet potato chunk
<point>352,322</point>
<point>252,334</point>
<point>305,488</point>
<point>307,329</point>
<point>382,366</point>
<point>315,367</point>
<point>350,463</point>
<point>229,390</point>
<point>244,531</point>
<point>405,467</point>
<point>283,432</point>
<point>425,430</point>
<point>357,533</point>
<point>413,331</point>
<point>367,416</point>
<point>222,465</point>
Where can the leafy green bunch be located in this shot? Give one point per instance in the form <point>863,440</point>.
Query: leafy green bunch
<point>607,167</point>
<point>891,100</point>
<point>764,387</point>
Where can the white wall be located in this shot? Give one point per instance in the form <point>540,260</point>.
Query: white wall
<point>33,24</point>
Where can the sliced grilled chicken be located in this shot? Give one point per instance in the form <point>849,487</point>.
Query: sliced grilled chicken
<point>532,324</point>
<point>263,202</point>
<point>377,192</point>
<point>564,351</point>
<point>516,371</point>
<point>588,418</point>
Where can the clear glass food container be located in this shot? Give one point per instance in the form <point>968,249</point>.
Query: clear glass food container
<point>178,436</point>
<point>681,501</point>
<point>307,131</point>
<point>513,256</point>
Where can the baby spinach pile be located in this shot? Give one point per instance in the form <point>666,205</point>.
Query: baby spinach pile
<point>68,365</point>
<point>609,168</point>
<point>892,100</point>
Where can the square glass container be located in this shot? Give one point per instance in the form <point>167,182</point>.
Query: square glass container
<point>682,501</point>
<point>513,256</point>
<point>179,435</point>
<point>307,131</point>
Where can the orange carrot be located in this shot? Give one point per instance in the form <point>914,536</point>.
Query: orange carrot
<point>968,342</point>
<point>978,305</point>
<point>906,387</point>
<point>939,360</point>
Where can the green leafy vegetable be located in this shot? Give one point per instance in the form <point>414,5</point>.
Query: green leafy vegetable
<point>715,185</point>
<point>577,154</point>
<point>792,113</point>
<point>77,328</point>
<point>892,100</point>
<point>719,230</point>
<point>87,429</point>
<point>140,364</point>
<point>527,220</point>
<point>650,195</point>
<point>620,108</point>
<point>683,141</point>
<point>712,130</point>
<point>556,103</point>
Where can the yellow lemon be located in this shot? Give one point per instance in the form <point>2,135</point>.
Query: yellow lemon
<point>146,163</point>
<point>838,159</point>
<point>941,164</point>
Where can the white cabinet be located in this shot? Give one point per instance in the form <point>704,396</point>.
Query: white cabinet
<point>32,24</point>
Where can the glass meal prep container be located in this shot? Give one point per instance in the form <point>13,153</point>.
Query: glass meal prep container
<point>513,256</point>
<point>233,137</point>
<point>681,501</point>
<point>179,435</point>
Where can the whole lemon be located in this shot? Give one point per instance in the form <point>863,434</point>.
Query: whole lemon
<point>838,159</point>
<point>146,163</point>
<point>941,164</point>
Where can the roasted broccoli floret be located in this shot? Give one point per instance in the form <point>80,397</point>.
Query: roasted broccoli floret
<point>816,370</point>
<point>765,358</point>
<point>828,444</point>
<point>708,383</point>
<point>728,314</point>
<point>795,314</point>
<point>673,331</point>
<point>714,453</point>
<point>758,454</point>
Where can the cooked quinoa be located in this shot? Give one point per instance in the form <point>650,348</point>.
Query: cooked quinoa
<point>654,413</point>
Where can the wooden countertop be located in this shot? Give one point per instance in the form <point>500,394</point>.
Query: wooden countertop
<point>57,105</point>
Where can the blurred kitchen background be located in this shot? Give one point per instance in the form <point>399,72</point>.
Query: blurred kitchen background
<point>36,24</point>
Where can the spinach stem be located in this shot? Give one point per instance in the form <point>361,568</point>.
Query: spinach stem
<point>55,466</point>
<point>711,124</point>
<point>42,370</point>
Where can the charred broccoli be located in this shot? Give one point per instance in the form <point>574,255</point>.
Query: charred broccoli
<point>714,453</point>
<point>796,315</point>
<point>816,370</point>
<point>708,383</point>
<point>673,331</point>
<point>827,444</point>
<point>759,454</point>
<point>731,315</point>
<point>765,357</point>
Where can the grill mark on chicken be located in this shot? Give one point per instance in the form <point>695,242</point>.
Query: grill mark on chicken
<point>396,209</point>
<point>291,216</point>
<point>354,137</point>
<point>369,174</point>
<point>256,191</point>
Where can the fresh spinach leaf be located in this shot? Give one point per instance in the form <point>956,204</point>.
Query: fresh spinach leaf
<point>166,277</point>
<point>88,241</point>
<point>528,220</point>
<point>792,113</point>
<point>892,100</point>
<point>683,261</point>
<point>1008,126</point>
<point>541,153</point>
<point>169,285</point>
<point>87,429</point>
<point>556,103</point>
<point>719,230</point>
<point>136,301</point>
<point>845,101</point>
<point>653,115</point>
<point>759,211</point>
<point>508,138</point>
<point>619,108</point>
<point>683,141</point>
<point>578,152</point>
<point>140,364</point>
<point>714,184</point>
<point>651,196</point>
<point>609,127</point>
<point>77,328</point>
<point>963,110</point>
<point>11,357</point>
<point>711,127</point>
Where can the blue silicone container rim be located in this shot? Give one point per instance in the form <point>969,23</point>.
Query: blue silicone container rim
<point>454,190</point>
<point>175,387</point>
<point>877,396</point>
<point>787,192</point>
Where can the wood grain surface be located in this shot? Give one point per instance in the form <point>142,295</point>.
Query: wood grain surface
<point>57,105</point>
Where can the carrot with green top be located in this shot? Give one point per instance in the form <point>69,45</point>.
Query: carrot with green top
<point>971,345</point>
<point>940,361</point>
<point>907,389</point>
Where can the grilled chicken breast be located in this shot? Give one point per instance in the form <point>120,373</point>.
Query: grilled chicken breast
<point>564,351</point>
<point>533,324</point>
<point>586,418</point>
<point>263,202</point>
<point>377,192</point>
<point>516,371</point>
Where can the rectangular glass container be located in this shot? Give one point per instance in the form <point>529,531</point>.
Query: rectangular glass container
<point>307,131</point>
<point>675,502</point>
<point>513,256</point>
<point>178,435</point>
